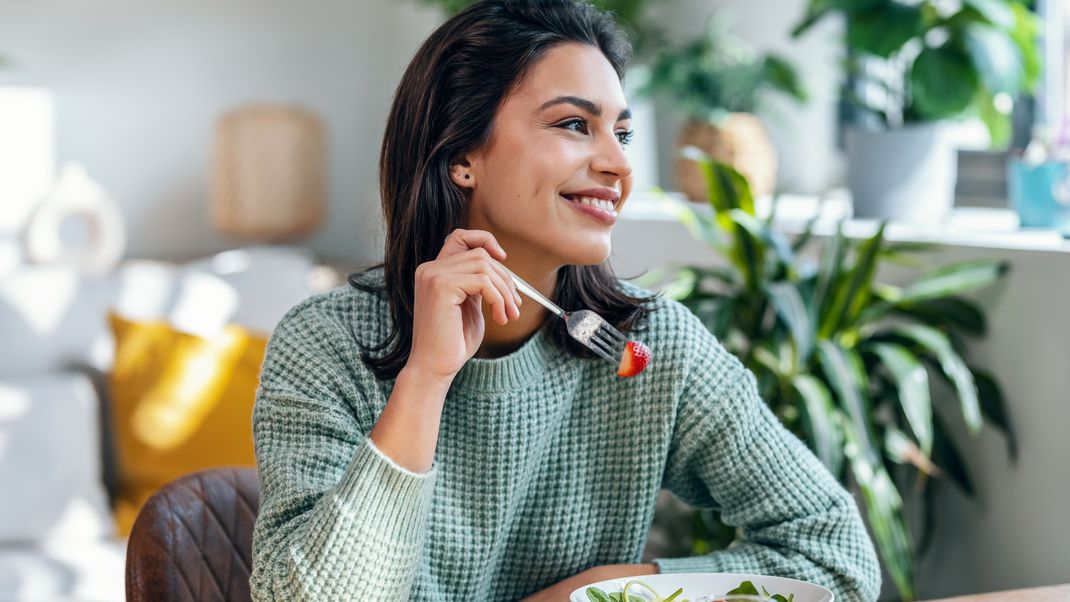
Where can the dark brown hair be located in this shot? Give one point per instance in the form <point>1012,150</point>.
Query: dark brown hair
<point>444,108</point>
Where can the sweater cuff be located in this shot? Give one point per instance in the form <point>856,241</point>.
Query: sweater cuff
<point>393,502</point>
<point>690,564</point>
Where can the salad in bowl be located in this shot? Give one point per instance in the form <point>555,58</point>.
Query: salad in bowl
<point>702,587</point>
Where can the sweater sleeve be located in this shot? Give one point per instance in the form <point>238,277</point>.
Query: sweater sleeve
<point>730,452</point>
<point>338,519</point>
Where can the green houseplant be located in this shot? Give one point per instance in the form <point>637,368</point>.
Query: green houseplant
<point>717,82</point>
<point>910,67</point>
<point>841,358</point>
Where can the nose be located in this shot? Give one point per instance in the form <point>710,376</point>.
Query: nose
<point>610,158</point>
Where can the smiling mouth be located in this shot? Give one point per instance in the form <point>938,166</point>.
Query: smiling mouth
<point>597,203</point>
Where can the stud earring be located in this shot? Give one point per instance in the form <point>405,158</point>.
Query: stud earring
<point>467,176</point>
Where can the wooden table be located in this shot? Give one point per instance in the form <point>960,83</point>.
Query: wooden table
<point>1054,593</point>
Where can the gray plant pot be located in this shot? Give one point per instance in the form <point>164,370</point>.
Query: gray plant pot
<point>903,175</point>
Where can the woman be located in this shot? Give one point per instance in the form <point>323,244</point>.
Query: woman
<point>426,434</point>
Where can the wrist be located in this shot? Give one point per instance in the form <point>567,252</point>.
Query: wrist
<point>419,379</point>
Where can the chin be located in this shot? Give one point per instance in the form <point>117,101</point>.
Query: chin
<point>589,253</point>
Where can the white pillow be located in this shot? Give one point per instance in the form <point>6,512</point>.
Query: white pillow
<point>252,287</point>
<point>268,280</point>
<point>50,460</point>
<point>51,318</point>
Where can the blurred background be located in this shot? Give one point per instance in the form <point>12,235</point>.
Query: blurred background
<point>175,176</point>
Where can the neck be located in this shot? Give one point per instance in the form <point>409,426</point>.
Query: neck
<point>501,340</point>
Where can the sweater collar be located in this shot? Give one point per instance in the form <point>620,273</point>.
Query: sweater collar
<point>523,367</point>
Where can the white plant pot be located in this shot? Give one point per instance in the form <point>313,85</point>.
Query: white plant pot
<point>903,175</point>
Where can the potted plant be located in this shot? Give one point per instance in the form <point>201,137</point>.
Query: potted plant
<point>844,360</point>
<point>716,82</point>
<point>911,67</point>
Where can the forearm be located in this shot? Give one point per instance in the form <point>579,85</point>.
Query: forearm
<point>828,547</point>
<point>361,538</point>
<point>733,454</point>
<point>407,429</point>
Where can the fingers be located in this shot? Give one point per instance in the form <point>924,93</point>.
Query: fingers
<point>479,261</point>
<point>475,255</point>
<point>461,240</point>
<point>489,288</point>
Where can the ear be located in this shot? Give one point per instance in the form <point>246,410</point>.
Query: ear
<point>461,174</point>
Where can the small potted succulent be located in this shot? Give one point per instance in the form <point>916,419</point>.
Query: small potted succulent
<point>717,82</point>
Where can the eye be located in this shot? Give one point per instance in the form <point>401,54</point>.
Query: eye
<point>576,125</point>
<point>625,136</point>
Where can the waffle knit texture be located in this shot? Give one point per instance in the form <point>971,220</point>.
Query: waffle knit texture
<point>546,465</point>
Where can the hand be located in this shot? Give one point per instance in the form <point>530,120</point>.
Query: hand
<point>561,591</point>
<point>448,301</point>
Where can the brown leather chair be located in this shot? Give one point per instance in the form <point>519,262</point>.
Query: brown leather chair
<point>192,541</point>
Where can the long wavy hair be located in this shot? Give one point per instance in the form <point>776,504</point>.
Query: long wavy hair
<point>444,108</point>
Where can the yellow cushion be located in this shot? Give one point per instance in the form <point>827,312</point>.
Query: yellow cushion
<point>180,403</point>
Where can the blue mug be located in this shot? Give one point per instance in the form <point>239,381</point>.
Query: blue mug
<point>1040,193</point>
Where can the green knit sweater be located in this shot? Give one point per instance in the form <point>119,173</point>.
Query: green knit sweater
<point>546,465</point>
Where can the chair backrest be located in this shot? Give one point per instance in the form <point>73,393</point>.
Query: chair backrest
<point>192,541</point>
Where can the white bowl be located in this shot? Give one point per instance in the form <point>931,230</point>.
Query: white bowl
<point>707,584</point>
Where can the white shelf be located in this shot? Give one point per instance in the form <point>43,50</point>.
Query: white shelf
<point>970,227</point>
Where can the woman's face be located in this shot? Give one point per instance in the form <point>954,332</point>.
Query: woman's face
<point>553,174</point>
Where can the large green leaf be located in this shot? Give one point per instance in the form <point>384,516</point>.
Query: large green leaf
<point>949,459</point>
<point>994,407</point>
<point>828,273</point>
<point>843,369</point>
<point>782,76</point>
<point>853,294</point>
<point>884,510</point>
<point>936,343</point>
<point>820,421</point>
<point>996,58</point>
<point>749,253</point>
<point>952,312</point>
<point>942,82</point>
<point>912,383</point>
<point>727,188</point>
<point>885,28</point>
<point>955,279</point>
<point>770,237</point>
<point>789,305</point>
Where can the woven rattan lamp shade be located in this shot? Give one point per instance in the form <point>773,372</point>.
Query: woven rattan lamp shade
<point>268,175</point>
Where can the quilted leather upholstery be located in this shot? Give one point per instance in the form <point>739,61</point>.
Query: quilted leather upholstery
<point>192,541</point>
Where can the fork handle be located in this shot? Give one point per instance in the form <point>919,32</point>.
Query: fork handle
<point>531,292</point>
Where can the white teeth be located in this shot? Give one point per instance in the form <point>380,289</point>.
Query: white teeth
<point>597,203</point>
<point>594,202</point>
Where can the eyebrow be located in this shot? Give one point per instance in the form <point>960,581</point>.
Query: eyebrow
<point>584,104</point>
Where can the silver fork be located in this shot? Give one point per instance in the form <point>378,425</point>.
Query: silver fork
<point>584,325</point>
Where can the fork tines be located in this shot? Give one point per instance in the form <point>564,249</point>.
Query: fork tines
<point>608,343</point>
